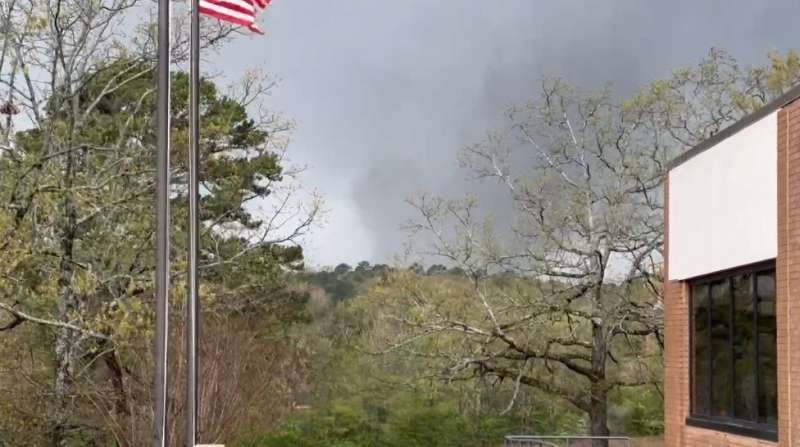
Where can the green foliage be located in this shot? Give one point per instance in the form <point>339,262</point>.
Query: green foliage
<point>414,423</point>
<point>640,411</point>
<point>783,72</point>
<point>343,282</point>
<point>363,398</point>
<point>340,425</point>
<point>76,246</point>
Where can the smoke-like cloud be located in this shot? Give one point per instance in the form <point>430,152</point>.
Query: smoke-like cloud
<point>385,93</point>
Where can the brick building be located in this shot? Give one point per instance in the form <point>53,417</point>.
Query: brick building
<point>732,291</point>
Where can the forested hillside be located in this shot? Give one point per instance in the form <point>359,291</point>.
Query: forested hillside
<point>374,387</point>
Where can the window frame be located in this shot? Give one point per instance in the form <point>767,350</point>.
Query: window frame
<point>744,427</point>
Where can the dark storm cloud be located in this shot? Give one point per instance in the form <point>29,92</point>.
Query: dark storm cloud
<point>385,93</point>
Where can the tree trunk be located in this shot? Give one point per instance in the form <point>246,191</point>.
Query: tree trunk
<point>598,407</point>
<point>63,348</point>
<point>65,344</point>
<point>117,381</point>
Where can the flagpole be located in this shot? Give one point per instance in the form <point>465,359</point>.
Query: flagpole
<point>193,304</point>
<point>160,433</point>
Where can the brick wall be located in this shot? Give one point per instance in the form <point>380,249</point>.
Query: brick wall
<point>676,314</point>
<point>676,362</point>
<point>676,354</point>
<point>788,275</point>
<point>699,437</point>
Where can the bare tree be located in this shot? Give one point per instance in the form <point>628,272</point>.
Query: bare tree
<point>587,235</point>
<point>583,172</point>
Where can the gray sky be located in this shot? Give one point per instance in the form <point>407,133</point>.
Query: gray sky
<point>385,93</point>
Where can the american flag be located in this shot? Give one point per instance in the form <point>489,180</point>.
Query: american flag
<point>238,12</point>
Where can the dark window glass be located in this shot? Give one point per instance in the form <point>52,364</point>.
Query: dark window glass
<point>768,386</point>
<point>721,359</point>
<point>744,349</point>
<point>734,354</point>
<point>701,339</point>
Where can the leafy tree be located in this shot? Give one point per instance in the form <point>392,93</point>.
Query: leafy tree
<point>381,268</point>
<point>641,412</point>
<point>363,266</point>
<point>344,282</point>
<point>338,284</point>
<point>341,269</point>
<point>436,269</point>
<point>76,227</point>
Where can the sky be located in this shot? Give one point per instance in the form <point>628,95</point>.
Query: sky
<point>385,93</point>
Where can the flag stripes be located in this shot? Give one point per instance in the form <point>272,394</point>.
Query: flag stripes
<point>238,12</point>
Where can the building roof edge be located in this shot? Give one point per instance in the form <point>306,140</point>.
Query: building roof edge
<point>776,104</point>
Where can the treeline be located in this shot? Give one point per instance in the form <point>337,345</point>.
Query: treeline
<point>342,282</point>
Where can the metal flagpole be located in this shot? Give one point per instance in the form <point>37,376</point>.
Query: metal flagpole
<point>193,304</point>
<point>160,434</point>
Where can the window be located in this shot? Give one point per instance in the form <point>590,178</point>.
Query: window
<point>734,356</point>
